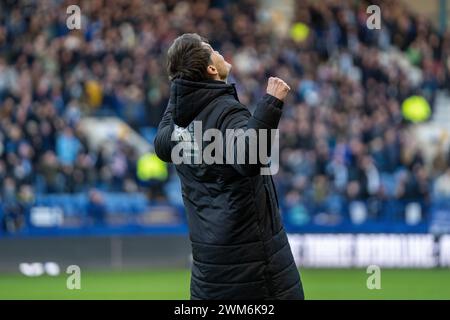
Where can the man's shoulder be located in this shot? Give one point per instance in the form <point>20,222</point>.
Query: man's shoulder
<point>227,101</point>
<point>230,107</point>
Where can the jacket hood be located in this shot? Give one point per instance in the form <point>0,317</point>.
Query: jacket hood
<point>190,98</point>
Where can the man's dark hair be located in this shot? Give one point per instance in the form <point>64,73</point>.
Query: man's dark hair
<point>188,58</point>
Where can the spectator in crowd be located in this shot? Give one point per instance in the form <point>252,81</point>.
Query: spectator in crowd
<point>96,208</point>
<point>442,185</point>
<point>67,147</point>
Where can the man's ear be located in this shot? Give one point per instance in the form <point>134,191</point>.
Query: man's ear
<point>212,70</point>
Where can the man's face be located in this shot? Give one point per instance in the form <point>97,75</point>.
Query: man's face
<point>223,68</point>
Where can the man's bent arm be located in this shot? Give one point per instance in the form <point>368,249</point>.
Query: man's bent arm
<point>266,116</point>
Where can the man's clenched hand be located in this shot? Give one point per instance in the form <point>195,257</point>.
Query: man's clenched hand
<point>277,88</point>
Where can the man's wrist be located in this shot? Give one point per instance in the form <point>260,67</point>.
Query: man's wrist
<point>274,101</point>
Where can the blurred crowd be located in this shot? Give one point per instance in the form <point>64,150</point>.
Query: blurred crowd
<point>343,137</point>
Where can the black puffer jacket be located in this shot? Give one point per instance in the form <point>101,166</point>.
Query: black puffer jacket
<point>240,248</point>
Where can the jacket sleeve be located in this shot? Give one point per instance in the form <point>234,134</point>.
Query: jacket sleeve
<point>162,142</point>
<point>266,116</point>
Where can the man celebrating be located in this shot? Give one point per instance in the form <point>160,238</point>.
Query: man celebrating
<point>239,246</point>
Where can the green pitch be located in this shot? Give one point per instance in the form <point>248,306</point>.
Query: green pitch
<point>174,284</point>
